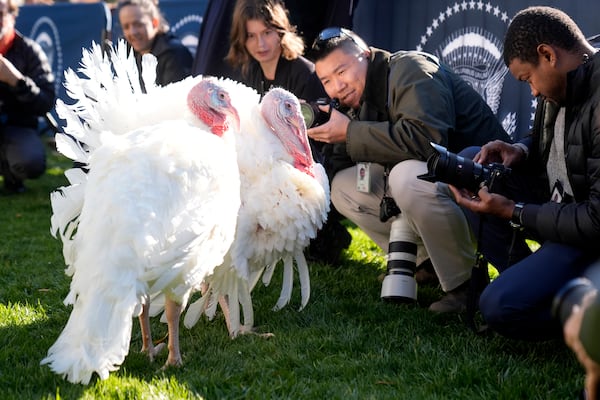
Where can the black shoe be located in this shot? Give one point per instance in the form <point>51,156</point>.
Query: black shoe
<point>455,301</point>
<point>13,187</point>
<point>331,240</point>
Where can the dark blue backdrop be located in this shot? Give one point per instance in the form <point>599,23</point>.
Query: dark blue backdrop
<point>467,35</point>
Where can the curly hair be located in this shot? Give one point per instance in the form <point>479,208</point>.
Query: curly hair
<point>275,16</point>
<point>533,26</point>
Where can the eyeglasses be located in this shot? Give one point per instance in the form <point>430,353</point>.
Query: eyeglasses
<point>322,41</point>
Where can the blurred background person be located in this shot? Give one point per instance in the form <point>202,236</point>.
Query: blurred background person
<point>308,16</point>
<point>267,51</point>
<point>147,31</point>
<point>26,93</point>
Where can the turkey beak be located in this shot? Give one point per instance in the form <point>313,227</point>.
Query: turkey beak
<point>297,122</point>
<point>235,118</point>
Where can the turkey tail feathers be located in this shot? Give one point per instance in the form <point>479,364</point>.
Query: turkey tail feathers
<point>95,339</point>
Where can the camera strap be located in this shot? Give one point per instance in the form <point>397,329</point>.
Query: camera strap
<point>386,173</point>
<point>479,280</point>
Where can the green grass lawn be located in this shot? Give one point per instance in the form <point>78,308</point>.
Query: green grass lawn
<point>346,344</point>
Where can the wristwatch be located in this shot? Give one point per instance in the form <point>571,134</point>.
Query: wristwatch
<point>517,215</point>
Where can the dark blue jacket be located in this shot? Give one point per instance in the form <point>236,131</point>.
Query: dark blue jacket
<point>35,96</point>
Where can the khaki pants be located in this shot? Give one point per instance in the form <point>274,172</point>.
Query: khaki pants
<point>440,228</point>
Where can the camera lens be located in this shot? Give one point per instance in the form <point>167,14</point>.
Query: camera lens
<point>447,167</point>
<point>308,113</point>
<point>399,284</point>
<point>571,294</point>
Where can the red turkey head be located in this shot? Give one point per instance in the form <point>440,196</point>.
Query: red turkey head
<point>281,111</point>
<point>211,103</point>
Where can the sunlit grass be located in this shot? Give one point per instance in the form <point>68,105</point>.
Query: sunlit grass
<point>346,344</point>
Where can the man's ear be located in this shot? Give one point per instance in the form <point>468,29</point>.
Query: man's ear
<point>547,53</point>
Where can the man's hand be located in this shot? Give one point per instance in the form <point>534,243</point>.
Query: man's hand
<point>8,72</point>
<point>484,202</point>
<point>334,130</point>
<point>571,332</point>
<point>500,152</point>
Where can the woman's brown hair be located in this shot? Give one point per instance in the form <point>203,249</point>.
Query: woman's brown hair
<point>275,16</point>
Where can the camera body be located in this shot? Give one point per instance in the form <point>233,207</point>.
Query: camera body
<point>388,208</point>
<point>447,167</point>
<point>313,115</point>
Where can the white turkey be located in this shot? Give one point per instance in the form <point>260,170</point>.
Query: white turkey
<point>285,200</point>
<point>154,215</point>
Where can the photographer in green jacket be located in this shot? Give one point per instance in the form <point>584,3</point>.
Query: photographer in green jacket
<point>396,104</point>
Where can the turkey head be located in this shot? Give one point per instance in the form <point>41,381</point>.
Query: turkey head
<point>211,103</point>
<point>281,111</point>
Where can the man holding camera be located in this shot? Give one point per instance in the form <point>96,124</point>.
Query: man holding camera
<point>546,49</point>
<point>395,105</point>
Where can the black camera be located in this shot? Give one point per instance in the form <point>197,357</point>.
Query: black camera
<point>447,167</point>
<point>313,115</point>
<point>388,208</point>
<point>571,294</point>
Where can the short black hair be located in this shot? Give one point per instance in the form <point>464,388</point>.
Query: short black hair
<point>332,38</point>
<point>533,26</point>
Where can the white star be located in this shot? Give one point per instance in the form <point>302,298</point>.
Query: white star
<point>472,5</point>
<point>435,24</point>
<point>423,39</point>
<point>488,7</point>
<point>429,31</point>
<point>442,17</point>
<point>448,12</point>
<point>480,5</point>
<point>456,8</point>
<point>496,11</point>
<point>463,5</point>
<point>504,17</point>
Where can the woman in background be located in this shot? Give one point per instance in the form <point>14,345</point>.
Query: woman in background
<point>267,51</point>
<point>146,31</point>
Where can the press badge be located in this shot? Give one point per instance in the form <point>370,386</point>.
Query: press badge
<point>363,177</point>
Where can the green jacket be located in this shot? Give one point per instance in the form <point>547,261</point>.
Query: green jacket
<point>410,100</point>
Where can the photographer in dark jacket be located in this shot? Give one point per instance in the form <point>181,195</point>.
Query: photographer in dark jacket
<point>546,49</point>
<point>26,93</point>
